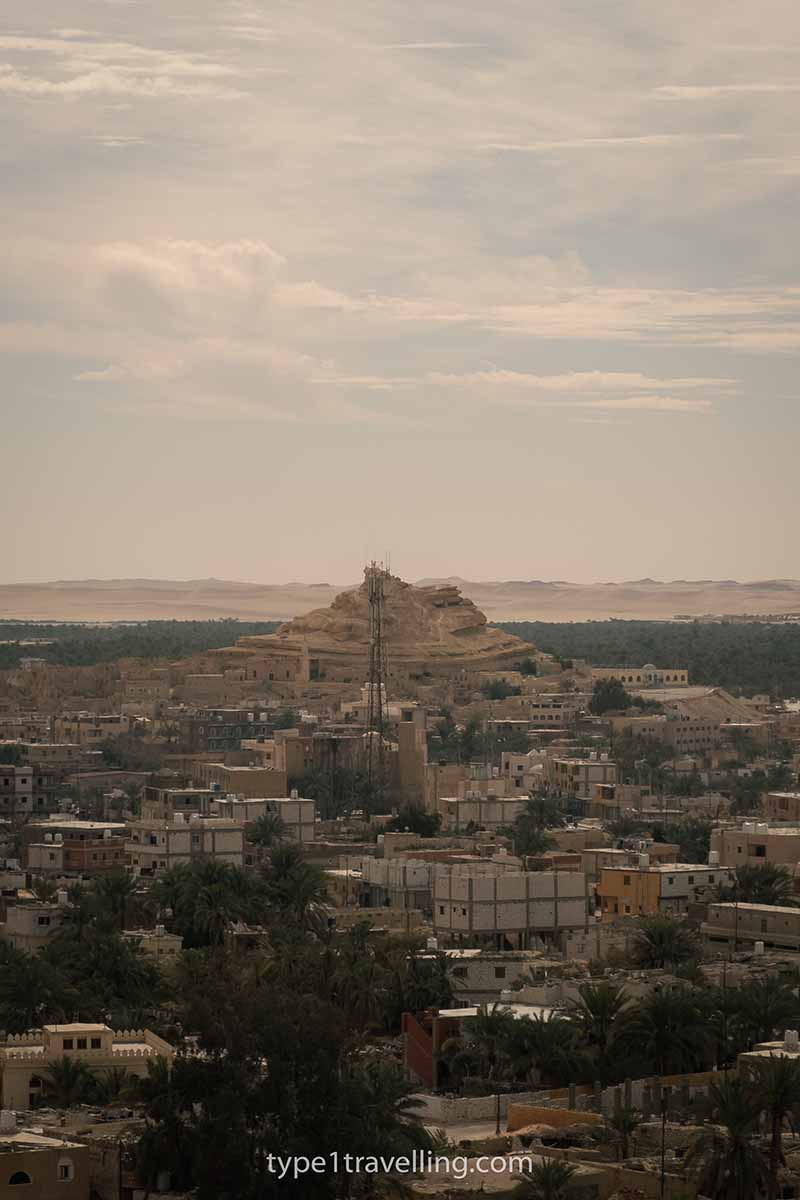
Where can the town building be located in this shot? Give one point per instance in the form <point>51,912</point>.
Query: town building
<point>298,815</point>
<point>481,904</point>
<point>41,1167</point>
<point>479,812</point>
<point>756,842</point>
<point>740,926</point>
<point>156,846</point>
<point>648,889</point>
<point>24,1056</point>
<point>27,791</point>
<point>398,883</point>
<point>251,782</point>
<point>643,677</point>
<point>778,806</point>
<point>162,803</point>
<point>217,729</point>
<point>30,923</point>
<point>90,729</point>
<point>65,846</point>
<point>577,777</point>
<point>156,943</point>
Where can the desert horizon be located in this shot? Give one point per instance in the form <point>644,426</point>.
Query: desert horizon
<point>502,600</point>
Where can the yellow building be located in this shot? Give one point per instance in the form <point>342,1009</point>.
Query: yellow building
<point>647,890</point>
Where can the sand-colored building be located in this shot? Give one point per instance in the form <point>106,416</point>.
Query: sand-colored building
<point>157,846</point>
<point>38,1167</point>
<point>643,677</point>
<point>24,1057</point>
<point>756,842</point>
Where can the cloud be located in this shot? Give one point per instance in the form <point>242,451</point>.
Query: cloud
<point>711,91</point>
<point>431,46</point>
<point>600,143</point>
<point>107,80</point>
<point>580,381</point>
<point>113,67</point>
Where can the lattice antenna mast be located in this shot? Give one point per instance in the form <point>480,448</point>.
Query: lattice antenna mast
<point>375,575</point>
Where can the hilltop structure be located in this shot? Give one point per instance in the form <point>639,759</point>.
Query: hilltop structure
<point>432,630</point>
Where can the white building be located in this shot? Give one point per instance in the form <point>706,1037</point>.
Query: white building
<point>298,815</point>
<point>484,904</point>
<point>157,846</point>
<point>481,812</point>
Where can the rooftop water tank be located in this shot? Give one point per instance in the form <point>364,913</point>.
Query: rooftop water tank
<point>644,860</point>
<point>713,858</point>
<point>791,1040</point>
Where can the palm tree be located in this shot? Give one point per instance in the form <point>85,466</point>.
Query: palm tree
<point>267,830</point>
<point>761,883</point>
<point>482,1047</point>
<point>114,1085</point>
<point>112,894</point>
<point>622,1124</point>
<point>549,1179</point>
<point>544,1051</point>
<point>764,1006</point>
<point>778,1086</point>
<point>66,1082</point>
<point>662,941</point>
<point>44,889</point>
<point>725,1160</point>
<point>32,991</point>
<point>665,1030</point>
<point>595,1014</point>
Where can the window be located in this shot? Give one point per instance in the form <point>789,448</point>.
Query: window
<point>441,910</point>
<point>499,972</point>
<point>690,879</point>
<point>65,1170</point>
<point>460,972</point>
<point>96,1043</point>
<point>69,1044</point>
<point>626,881</point>
<point>81,1043</point>
<point>670,879</point>
<point>760,851</point>
<point>627,908</point>
<point>19,1177</point>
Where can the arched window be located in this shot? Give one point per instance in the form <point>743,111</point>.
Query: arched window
<point>65,1171</point>
<point>19,1177</point>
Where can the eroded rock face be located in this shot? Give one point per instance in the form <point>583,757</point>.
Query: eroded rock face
<point>421,624</point>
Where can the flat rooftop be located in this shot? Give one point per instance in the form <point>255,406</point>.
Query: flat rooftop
<point>762,909</point>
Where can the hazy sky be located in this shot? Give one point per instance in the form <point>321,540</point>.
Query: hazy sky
<point>509,289</point>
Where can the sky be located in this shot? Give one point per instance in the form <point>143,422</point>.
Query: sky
<point>504,290</point>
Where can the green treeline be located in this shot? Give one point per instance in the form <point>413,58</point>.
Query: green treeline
<point>748,657</point>
<point>88,645</point>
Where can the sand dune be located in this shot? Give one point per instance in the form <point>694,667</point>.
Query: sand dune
<point>520,600</point>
